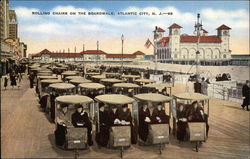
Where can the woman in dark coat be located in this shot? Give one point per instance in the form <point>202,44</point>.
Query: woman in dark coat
<point>112,116</point>
<point>80,118</point>
<point>124,114</point>
<point>102,136</point>
<point>144,120</point>
<point>159,115</point>
<point>12,80</point>
<point>5,82</point>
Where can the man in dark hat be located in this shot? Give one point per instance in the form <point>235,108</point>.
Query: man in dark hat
<point>102,127</point>
<point>80,118</point>
<point>144,121</point>
<point>246,95</point>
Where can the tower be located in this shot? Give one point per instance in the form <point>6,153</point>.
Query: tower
<point>174,40</point>
<point>223,33</point>
<point>158,33</point>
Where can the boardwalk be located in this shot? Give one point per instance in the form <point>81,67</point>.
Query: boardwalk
<point>27,133</point>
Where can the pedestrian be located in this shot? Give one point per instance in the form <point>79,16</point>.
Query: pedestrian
<point>246,95</point>
<point>6,81</point>
<point>197,86</point>
<point>19,80</point>
<point>204,86</point>
<point>12,79</point>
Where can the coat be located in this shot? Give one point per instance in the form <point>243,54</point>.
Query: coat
<point>181,126</point>
<point>143,126</point>
<point>246,94</point>
<point>102,137</point>
<point>161,114</point>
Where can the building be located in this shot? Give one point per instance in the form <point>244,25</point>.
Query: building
<point>241,60</point>
<point>88,56</point>
<point>12,25</point>
<point>11,49</point>
<point>181,48</point>
<point>23,49</point>
<point>4,19</point>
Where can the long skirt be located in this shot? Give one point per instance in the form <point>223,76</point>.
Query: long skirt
<point>60,135</point>
<point>102,137</point>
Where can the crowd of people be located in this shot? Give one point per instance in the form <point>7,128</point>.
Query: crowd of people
<point>14,76</point>
<point>200,86</point>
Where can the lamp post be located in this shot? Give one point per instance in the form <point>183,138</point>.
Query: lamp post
<point>198,28</point>
<point>97,45</point>
<point>122,38</point>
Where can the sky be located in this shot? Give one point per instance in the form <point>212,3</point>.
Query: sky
<point>60,32</point>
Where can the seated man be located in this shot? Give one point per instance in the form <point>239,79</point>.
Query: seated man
<point>144,120</point>
<point>80,118</point>
<point>196,114</point>
<point>62,121</point>
<point>159,115</point>
<point>181,123</point>
<point>102,137</point>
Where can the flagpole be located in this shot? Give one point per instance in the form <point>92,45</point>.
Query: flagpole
<point>155,55</point>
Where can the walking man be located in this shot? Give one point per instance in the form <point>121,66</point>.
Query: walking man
<point>246,95</point>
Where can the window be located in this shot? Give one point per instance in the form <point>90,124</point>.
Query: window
<point>175,56</point>
<point>224,56</point>
<point>225,33</point>
<point>176,32</point>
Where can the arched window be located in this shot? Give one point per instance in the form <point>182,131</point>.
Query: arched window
<point>225,32</point>
<point>176,32</point>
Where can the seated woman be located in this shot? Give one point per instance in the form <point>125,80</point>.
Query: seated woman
<point>80,118</point>
<point>159,115</point>
<point>124,115</point>
<point>144,120</point>
<point>113,118</point>
<point>196,114</point>
<point>181,123</point>
<point>62,121</point>
<point>102,137</point>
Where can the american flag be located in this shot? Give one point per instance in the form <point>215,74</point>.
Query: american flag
<point>148,43</point>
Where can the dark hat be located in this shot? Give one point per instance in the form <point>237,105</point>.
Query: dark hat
<point>194,102</point>
<point>101,105</point>
<point>78,106</point>
<point>63,105</point>
<point>124,106</point>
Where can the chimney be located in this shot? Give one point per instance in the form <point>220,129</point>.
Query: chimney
<point>63,51</point>
<point>75,49</point>
<point>68,50</point>
<point>83,47</point>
